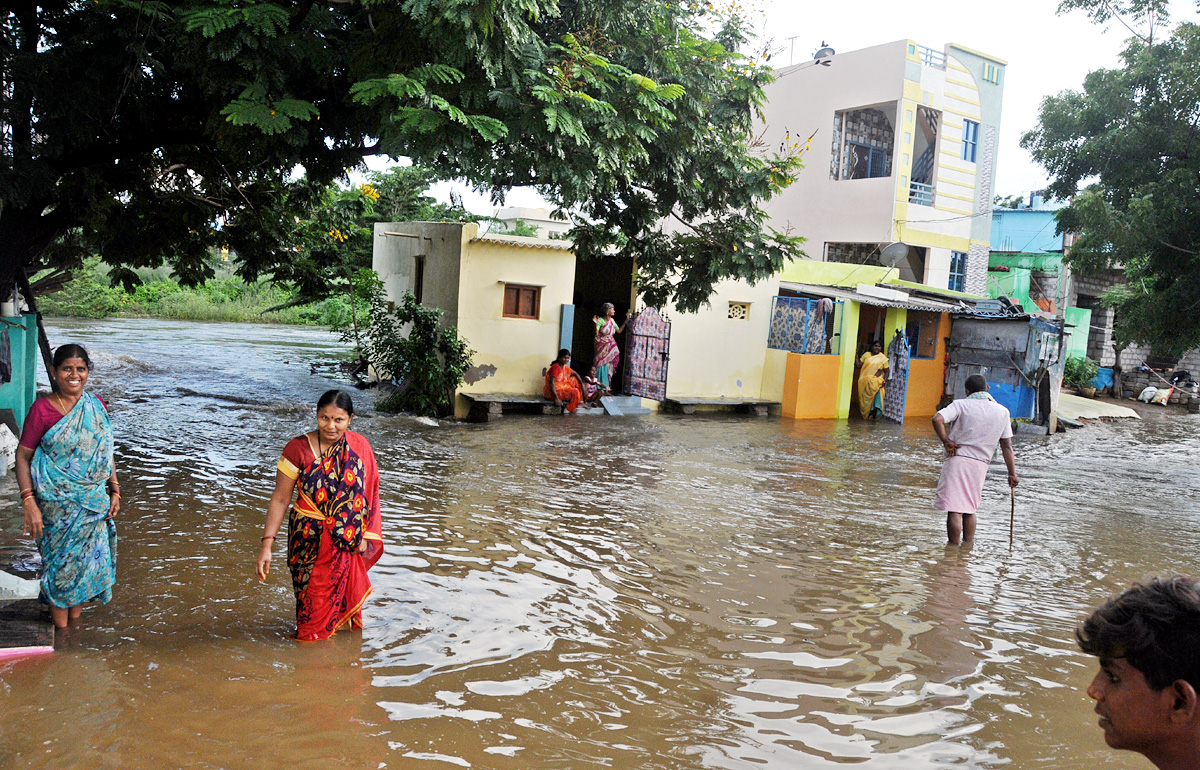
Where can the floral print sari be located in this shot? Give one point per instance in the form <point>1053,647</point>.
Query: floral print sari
<point>334,532</point>
<point>606,354</point>
<point>71,464</point>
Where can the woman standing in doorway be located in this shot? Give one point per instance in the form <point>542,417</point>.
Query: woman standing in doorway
<point>334,529</point>
<point>606,353</point>
<point>872,372</point>
<point>69,489</point>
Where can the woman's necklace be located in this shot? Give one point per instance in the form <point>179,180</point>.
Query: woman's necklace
<point>61,406</point>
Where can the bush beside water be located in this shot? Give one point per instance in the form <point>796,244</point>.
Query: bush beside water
<point>1080,371</point>
<point>223,298</point>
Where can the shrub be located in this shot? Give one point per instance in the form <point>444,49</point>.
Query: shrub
<point>1080,371</point>
<point>425,359</point>
<point>87,294</point>
<point>150,294</point>
<point>349,314</point>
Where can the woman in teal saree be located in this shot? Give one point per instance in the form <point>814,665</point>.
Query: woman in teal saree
<point>69,489</point>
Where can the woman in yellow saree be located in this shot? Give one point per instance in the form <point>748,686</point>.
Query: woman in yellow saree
<point>872,371</point>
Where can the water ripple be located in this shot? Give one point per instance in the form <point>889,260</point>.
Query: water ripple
<point>659,592</point>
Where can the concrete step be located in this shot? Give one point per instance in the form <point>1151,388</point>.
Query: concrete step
<point>13,587</point>
<point>25,625</point>
<point>626,404</point>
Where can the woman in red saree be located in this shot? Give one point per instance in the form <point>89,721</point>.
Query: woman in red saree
<point>562,385</point>
<point>334,526</point>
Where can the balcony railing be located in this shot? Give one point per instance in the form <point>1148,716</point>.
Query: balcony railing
<point>931,57</point>
<point>920,194</point>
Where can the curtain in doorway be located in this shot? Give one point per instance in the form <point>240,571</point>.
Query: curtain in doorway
<point>896,390</point>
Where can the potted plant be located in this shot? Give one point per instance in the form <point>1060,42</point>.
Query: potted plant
<point>1079,373</point>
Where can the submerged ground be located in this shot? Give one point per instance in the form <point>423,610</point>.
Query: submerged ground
<point>654,592</point>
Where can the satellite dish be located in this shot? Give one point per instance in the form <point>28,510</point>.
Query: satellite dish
<point>892,253</point>
<point>824,52</point>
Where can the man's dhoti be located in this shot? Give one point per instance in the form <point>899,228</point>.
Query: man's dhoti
<point>960,488</point>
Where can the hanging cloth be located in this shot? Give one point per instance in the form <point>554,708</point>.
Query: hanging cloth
<point>5,357</point>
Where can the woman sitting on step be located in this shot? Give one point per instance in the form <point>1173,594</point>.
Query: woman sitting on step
<point>562,384</point>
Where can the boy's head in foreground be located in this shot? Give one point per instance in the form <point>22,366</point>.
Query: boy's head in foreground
<point>1148,642</point>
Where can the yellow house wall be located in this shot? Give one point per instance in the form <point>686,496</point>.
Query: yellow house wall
<point>846,374</point>
<point>518,348</point>
<point>812,385</point>
<point>833,273</point>
<point>926,376</point>
<point>774,367</point>
<point>895,320</point>
<point>715,356</point>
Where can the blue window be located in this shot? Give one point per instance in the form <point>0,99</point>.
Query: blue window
<point>958,271</point>
<point>970,138</point>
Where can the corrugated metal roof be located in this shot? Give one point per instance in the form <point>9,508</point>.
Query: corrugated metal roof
<point>524,241</point>
<point>844,293</point>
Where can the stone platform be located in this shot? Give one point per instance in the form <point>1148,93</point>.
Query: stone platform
<point>757,407</point>
<point>25,625</point>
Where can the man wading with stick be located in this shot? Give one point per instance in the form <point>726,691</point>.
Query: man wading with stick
<point>977,424</point>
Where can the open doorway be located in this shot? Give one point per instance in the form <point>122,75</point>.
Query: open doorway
<point>598,281</point>
<point>870,329</point>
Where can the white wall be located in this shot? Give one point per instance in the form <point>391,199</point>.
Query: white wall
<point>803,100</point>
<point>394,259</point>
<point>714,356</point>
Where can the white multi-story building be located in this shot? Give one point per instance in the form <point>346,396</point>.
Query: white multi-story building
<point>903,149</point>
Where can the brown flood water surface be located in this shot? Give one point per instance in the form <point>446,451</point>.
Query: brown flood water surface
<point>654,592</point>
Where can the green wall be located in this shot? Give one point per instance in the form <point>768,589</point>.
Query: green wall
<point>1081,319</point>
<point>19,394</point>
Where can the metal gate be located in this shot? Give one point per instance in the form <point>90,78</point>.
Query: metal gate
<point>647,349</point>
<point>895,394</point>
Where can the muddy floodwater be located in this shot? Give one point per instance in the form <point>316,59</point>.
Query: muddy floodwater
<point>579,592</point>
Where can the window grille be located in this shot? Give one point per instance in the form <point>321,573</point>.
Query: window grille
<point>804,325</point>
<point>868,162</point>
<point>739,311</point>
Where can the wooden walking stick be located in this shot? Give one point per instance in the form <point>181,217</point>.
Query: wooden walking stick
<point>1012,514</point>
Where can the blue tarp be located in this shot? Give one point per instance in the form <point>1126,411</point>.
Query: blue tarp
<point>1018,399</point>
<point>1103,378</point>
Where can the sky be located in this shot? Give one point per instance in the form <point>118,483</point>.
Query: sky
<point>1046,53</point>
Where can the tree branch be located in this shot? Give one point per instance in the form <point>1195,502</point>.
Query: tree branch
<point>127,147</point>
<point>301,14</point>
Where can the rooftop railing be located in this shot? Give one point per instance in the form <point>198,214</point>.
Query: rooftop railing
<point>931,57</point>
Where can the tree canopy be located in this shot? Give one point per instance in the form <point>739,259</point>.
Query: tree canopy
<point>153,132</point>
<point>1132,136</point>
